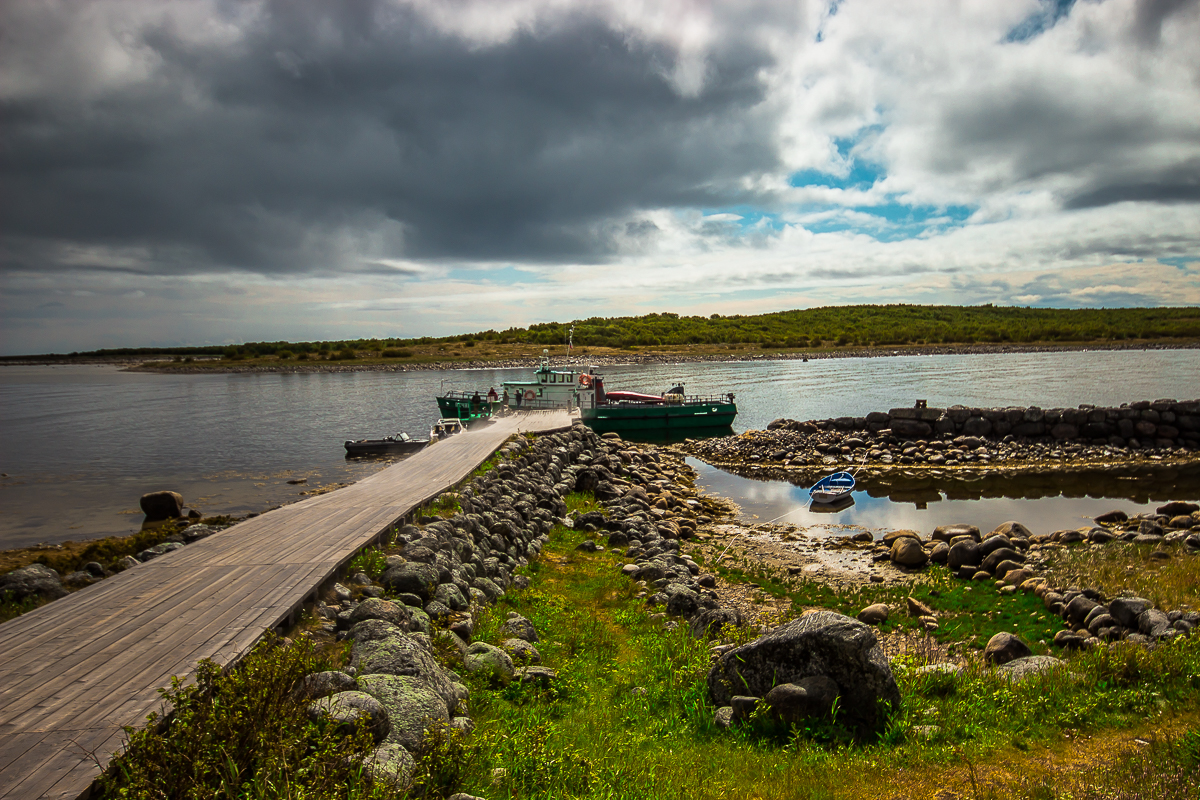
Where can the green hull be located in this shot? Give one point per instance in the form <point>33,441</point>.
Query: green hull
<point>462,409</point>
<point>692,416</point>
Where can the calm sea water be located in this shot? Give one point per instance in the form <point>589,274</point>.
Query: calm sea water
<point>80,445</point>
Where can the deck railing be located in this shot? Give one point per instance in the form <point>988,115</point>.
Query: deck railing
<point>686,399</point>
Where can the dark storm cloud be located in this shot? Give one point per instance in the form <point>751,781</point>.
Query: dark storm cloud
<point>1150,15</point>
<point>327,133</point>
<point>1178,185</point>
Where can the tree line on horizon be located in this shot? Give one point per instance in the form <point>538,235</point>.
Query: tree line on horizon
<point>862,325</point>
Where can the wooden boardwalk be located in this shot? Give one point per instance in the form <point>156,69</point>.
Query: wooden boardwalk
<point>73,672</point>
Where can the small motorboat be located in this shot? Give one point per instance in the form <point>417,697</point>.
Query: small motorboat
<point>400,444</point>
<point>832,488</point>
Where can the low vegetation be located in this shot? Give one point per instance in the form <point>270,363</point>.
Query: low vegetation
<point>1123,569</point>
<point>241,734</point>
<point>807,329</point>
<point>629,716</point>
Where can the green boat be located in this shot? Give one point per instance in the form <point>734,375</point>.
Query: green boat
<point>672,410</point>
<point>466,407</point>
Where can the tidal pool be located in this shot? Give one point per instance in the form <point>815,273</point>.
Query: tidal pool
<point>1044,502</point>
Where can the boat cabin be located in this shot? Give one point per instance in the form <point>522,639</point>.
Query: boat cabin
<point>549,388</point>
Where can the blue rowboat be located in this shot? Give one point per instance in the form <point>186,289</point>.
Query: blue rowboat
<point>832,488</point>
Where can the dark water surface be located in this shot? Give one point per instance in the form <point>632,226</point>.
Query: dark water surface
<point>80,445</point>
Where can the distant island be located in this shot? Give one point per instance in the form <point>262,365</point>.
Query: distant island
<point>818,332</point>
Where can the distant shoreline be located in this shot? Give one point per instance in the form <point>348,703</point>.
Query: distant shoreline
<point>605,360</point>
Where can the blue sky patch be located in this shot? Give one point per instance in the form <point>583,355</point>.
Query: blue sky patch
<point>499,276</point>
<point>1180,263</point>
<point>1040,21</point>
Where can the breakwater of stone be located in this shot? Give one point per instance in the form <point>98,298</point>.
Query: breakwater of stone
<point>969,438</point>
<point>446,567</point>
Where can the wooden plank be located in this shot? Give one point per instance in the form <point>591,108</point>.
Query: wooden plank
<point>177,595</point>
<point>74,671</point>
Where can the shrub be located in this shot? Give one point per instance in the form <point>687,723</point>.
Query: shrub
<point>241,734</point>
<point>394,353</point>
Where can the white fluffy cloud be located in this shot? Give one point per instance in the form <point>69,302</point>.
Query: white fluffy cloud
<point>205,171</point>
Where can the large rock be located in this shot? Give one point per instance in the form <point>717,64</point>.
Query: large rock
<point>993,559</point>
<point>412,707</point>
<point>964,553</point>
<point>818,643</point>
<point>1005,647</point>
<point>322,684</point>
<point>412,577</point>
<point>1020,669</point>
<point>1012,529</point>
<point>382,648</point>
<point>709,622</point>
<point>518,627</point>
<point>876,614</point>
<point>162,505</point>
<point>1126,610</point>
<point>390,765</point>
<point>1177,507</point>
<point>348,709</point>
<point>910,428</point>
<point>489,661</point>
<point>386,610</point>
<point>945,533</point>
<point>520,651</point>
<point>908,553</point>
<point>34,580</point>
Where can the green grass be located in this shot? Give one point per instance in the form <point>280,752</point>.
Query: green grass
<point>11,609</point>
<point>968,612</point>
<point>446,505</point>
<point>371,560</point>
<point>1120,568</point>
<point>630,718</point>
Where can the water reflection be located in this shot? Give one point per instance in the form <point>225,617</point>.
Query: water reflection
<point>1044,502</point>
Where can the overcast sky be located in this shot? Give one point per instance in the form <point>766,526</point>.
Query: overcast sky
<point>217,171</point>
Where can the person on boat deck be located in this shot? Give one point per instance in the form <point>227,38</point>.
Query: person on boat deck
<point>492,395</point>
<point>505,398</point>
<point>476,400</point>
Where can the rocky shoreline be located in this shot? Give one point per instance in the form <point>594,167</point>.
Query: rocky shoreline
<point>632,358</point>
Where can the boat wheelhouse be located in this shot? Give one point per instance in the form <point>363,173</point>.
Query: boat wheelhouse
<point>549,388</point>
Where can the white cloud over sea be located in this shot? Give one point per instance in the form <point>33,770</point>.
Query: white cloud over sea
<point>212,171</point>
